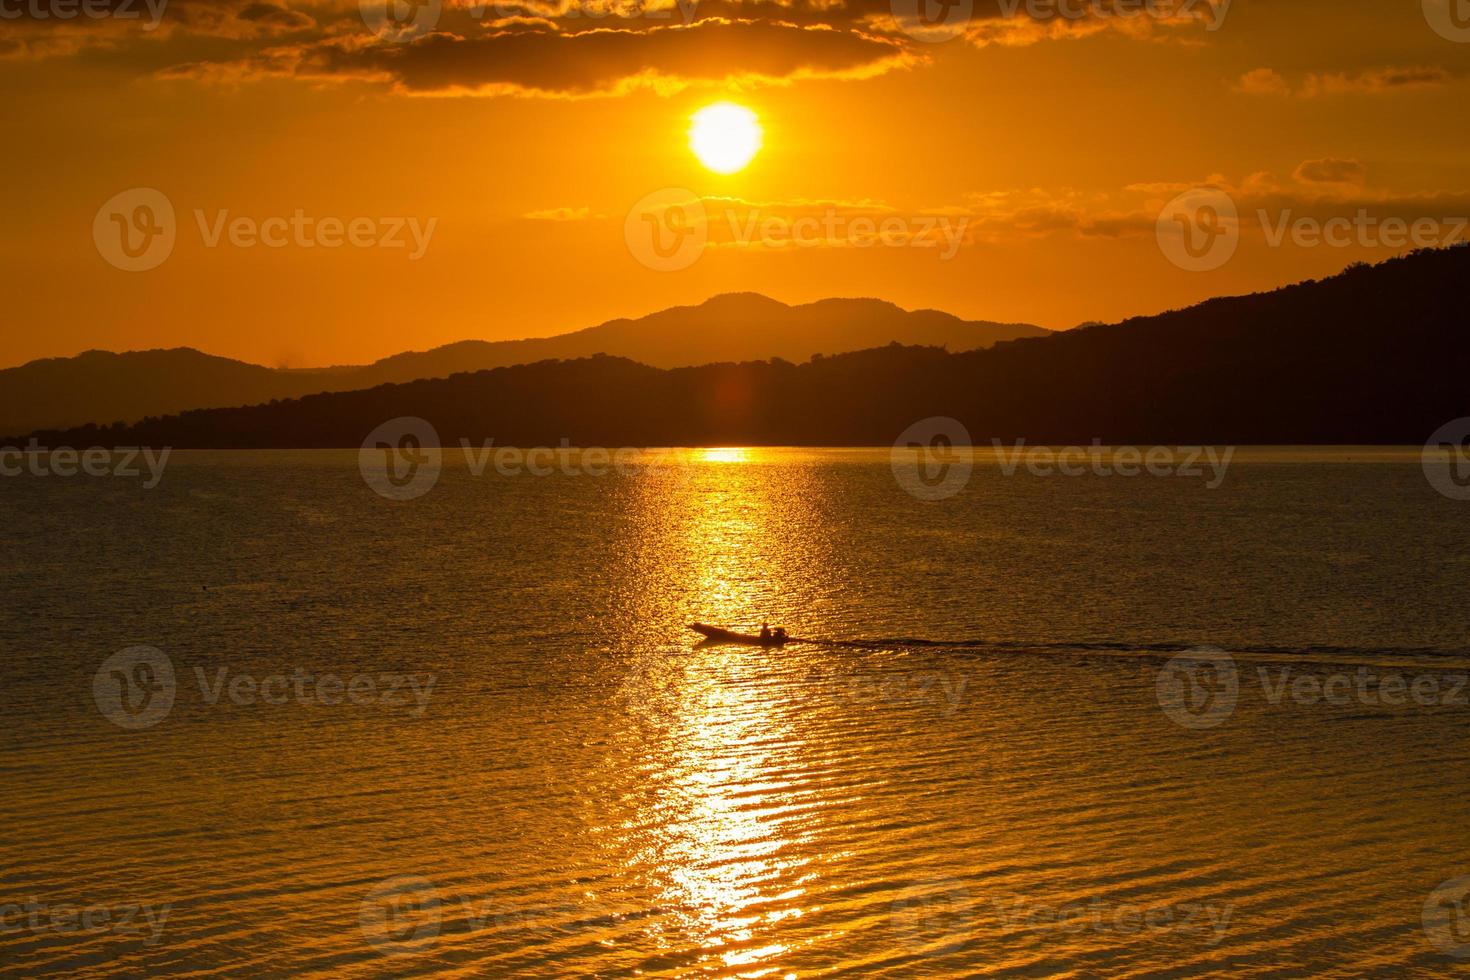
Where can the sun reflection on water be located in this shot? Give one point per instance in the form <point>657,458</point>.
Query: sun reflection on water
<point>728,454</point>
<point>728,828</point>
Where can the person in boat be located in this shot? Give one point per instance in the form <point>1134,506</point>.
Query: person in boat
<point>779,634</point>
<point>765,632</point>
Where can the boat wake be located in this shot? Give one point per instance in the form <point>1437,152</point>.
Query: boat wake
<point>1315,653</point>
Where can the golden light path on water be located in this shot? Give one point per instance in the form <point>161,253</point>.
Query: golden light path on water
<point>722,858</point>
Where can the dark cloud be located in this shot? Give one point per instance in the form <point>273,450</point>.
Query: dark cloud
<point>270,13</point>
<point>583,47</point>
<point>1331,171</point>
<point>597,61</point>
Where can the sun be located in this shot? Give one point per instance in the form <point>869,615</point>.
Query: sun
<point>725,136</point>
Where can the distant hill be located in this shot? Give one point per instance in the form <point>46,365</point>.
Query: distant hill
<point>103,387</point>
<point>732,327</point>
<point>1374,355</point>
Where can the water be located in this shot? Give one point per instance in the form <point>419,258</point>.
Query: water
<point>978,772</point>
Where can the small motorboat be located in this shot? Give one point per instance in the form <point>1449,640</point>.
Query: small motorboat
<point>713,634</point>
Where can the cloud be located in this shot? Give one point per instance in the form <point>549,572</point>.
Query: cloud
<point>577,48</point>
<point>1263,81</point>
<point>1377,81</point>
<point>1331,171</point>
<point>1322,190</point>
<point>276,16</point>
<point>600,61</point>
<point>559,214</point>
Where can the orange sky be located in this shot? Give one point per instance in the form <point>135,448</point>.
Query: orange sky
<point>520,139</point>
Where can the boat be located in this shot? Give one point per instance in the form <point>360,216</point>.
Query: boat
<point>714,634</point>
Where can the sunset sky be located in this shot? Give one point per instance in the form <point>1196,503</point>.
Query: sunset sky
<point>525,133</point>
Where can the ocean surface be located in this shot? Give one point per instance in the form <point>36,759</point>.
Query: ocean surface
<point>262,720</point>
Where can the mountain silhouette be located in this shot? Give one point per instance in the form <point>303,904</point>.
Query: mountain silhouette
<point>98,386</point>
<point>1374,355</point>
